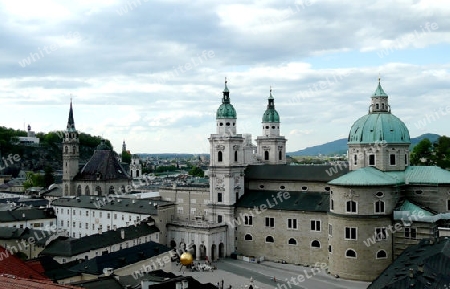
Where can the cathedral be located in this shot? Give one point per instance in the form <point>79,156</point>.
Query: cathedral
<point>357,219</point>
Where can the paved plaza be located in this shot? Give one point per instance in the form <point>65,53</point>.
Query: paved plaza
<point>238,273</point>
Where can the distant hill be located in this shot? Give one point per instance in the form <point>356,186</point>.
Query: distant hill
<point>340,146</point>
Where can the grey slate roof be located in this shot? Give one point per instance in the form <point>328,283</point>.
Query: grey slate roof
<point>26,214</point>
<point>103,165</point>
<point>422,266</point>
<point>297,201</point>
<point>40,237</point>
<point>138,206</point>
<point>120,258</point>
<point>68,247</point>
<point>309,173</point>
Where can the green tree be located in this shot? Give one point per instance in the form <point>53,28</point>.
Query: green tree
<point>196,172</point>
<point>126,157</point>
<point>34,180</point>
<point>422,154</point>
<point>48,176</point>
<point>442,152</point>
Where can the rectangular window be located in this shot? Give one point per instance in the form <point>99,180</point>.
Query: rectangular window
<point>93,227</point>
<point>392,159</point>
<point>410,233</point>
<point>315,225</point>
<point>371,160</point>
<point>87,213</point>
<point>330,230</point>
<point>448,205</point>
<point>68,224</point>
<point>100,214</point>
<point>219,197</point>
<point>115,216</point>
<point>74,224</point>
<point>350,233</point>
<point>248,220</point>
<point>62,223</point>
<point>108,216</point>
<point>108,228</point>
<point>73,212</point>
<point>219,218</point>
<point>292,224</point>
<point>86,226</point>
<point>380,234</point>
<point>270,222</point>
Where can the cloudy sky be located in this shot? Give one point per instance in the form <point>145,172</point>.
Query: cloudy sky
<point>152,72</point>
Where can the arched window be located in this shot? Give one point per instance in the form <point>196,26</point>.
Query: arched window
<point>235,156</point>
<point>79,190</point>
<point>382,105</point>
<point>280,155</point>
<point>87,192</point>
<point>111,190</point>
<point>266,155</point>
<point>381,254</point>
<point>219,156</point>
<point>356,159</point>
<point>292,241</point>
<point>331,204</point>
<point>98,191</point>
<point>315,244</point>
<point>66,149</point>
<point>377,106</point>
<point>351,207</point>
<point>379,206</point>
<point>350,253</point>
<point>74,149</point>
<point>248,237</point>
<point>269,239</point>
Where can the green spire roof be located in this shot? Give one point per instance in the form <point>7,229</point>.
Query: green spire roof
<point>226,109</point>
<point>271,115</point>
<point>379,91</point>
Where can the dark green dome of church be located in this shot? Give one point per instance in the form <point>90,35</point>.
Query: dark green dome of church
<point>271,115</point>
<point>226,109</point>
<point>380,125</point>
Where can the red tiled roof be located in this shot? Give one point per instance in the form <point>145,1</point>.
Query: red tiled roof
<point>11,265</point>
<point>12,282</point>
<point>36,265</point>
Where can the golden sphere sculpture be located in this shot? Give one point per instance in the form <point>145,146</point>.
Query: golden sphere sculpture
<point>186,259</point>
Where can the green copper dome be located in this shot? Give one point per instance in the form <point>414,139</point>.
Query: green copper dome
<point>379,127</point>
<point>271,115</point>
<point>226,109</point>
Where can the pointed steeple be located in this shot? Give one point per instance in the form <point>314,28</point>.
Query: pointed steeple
<point>379,91</point>
<point>226,93</point>
<point>71,122</point>
<point>226,109</point>
<point>270,115</point>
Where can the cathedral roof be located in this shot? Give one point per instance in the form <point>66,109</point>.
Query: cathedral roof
<point>102,166</point>
<point>379,126</point>
<point>298,201</point>
<point>370,176</point>
<point>271,115</point>
<point>226,109</point>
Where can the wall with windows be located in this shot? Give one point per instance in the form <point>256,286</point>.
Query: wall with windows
<point>385,157</point>
<point>411,233</point>
<point>293,236</point>
<point>191,202</point>
<point>434,197</point>
<point>288,186</point>
<point>355,241</point>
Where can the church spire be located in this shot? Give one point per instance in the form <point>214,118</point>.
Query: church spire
<point>71,122</point>
<point>380,101</point>
<point>226,93</point>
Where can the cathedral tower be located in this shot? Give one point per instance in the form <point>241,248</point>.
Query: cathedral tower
<point>226,170</point>
<point>271,147</point>
<point>70,155</point>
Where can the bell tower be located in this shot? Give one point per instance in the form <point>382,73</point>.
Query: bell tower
<point>70,155</point>
<point>226,170</point>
